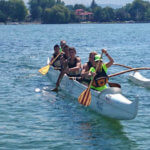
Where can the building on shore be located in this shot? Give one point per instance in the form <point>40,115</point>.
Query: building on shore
<point>84,15</point>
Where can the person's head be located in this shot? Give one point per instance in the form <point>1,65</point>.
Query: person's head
<point>92,56</point>
<point>98,59</point>
<point>56,48</point>
<point>62,44</point>
<point>66,50</point>
<point>72,52</point>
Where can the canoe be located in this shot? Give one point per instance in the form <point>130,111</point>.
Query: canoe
<point>138,79</point>
<point>110,102</point>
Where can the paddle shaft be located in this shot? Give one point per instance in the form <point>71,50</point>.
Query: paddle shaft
<point>44,70</point>
<point>55,58</point>
<point>129,70</point>
<point>122,66</point>
<point>95,72</point>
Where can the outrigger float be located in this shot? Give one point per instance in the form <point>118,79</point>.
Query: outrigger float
<point>110,102</point>
<point>136,77</point>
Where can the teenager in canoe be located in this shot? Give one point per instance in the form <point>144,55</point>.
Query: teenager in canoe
<point>64,64</point>
<point>100,77</point>
<point>74,64</point>
<point>57,63</point>
<point>86,67</point>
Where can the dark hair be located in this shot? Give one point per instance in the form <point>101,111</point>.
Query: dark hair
<point>63,42</point>
<point>66,46</point>
<point>72,49</point>
<point>56,46</point>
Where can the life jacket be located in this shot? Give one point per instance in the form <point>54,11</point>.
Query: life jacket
<point>73,74</point>
<point>101,79</point>
<point>57,62</point>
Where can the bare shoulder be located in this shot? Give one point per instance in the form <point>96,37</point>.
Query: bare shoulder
<point>85,66</point>
<point>78,58</point>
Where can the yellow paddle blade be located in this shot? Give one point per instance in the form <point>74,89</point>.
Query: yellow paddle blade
<point>85,97</point>
<point>44,70</point>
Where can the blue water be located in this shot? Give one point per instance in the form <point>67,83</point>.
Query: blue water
<point>47,120</point>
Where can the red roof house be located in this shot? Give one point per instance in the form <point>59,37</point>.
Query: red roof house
<point>84,15</point>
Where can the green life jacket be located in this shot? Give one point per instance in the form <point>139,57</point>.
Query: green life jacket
<point>101,78</point>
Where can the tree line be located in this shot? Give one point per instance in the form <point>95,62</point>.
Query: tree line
<point>55,11</point>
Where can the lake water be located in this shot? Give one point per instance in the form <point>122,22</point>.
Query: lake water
<point>47,120</point>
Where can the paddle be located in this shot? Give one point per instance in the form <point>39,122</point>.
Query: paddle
<point>122,66</point>
<point>44,70</point>
<point>129,70</point>
<point>85,96</point>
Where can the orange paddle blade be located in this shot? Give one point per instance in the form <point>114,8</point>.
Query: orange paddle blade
<point>85,97</point>
<point>44,70</point>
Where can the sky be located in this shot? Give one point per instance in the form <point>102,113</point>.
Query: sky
<point>88,2</point>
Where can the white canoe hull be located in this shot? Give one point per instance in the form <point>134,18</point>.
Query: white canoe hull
<point>138,79</point>
<point>110,102</point>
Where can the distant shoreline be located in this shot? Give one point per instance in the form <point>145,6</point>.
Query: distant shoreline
<point>19,23</point>
<point>37,23</point>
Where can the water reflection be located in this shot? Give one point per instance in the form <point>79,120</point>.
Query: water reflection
<point>103,133</point>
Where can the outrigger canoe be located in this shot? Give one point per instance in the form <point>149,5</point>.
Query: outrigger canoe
<point>110,102</point>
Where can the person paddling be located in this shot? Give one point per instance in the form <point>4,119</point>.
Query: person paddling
<point>100,77</point>
<point>86,67</point>
<point>57,63</point>
<point>74,64</point>
<point>64,58</point>
<point>64,64</point>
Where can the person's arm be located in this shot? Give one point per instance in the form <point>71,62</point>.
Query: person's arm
<point>91,72</point>
<point>111,61</point>
<point>85,70</point>
<point>60,78</point>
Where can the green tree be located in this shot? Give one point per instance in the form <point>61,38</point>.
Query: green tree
<point>56,14</point>
<point>73,17</point>
<point>5,10</point>
<point>98,14</point>
<point>79,6</point>
<point>37,7</point>
<point>59,2</point>
<point>147,15</point>
<point>18,10</point>
<point>137,10</point>
<point>122,15</point>
<point>93,4</point>
<point>108,14</point>
<point>3,17</point>
<point>70,7</point>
